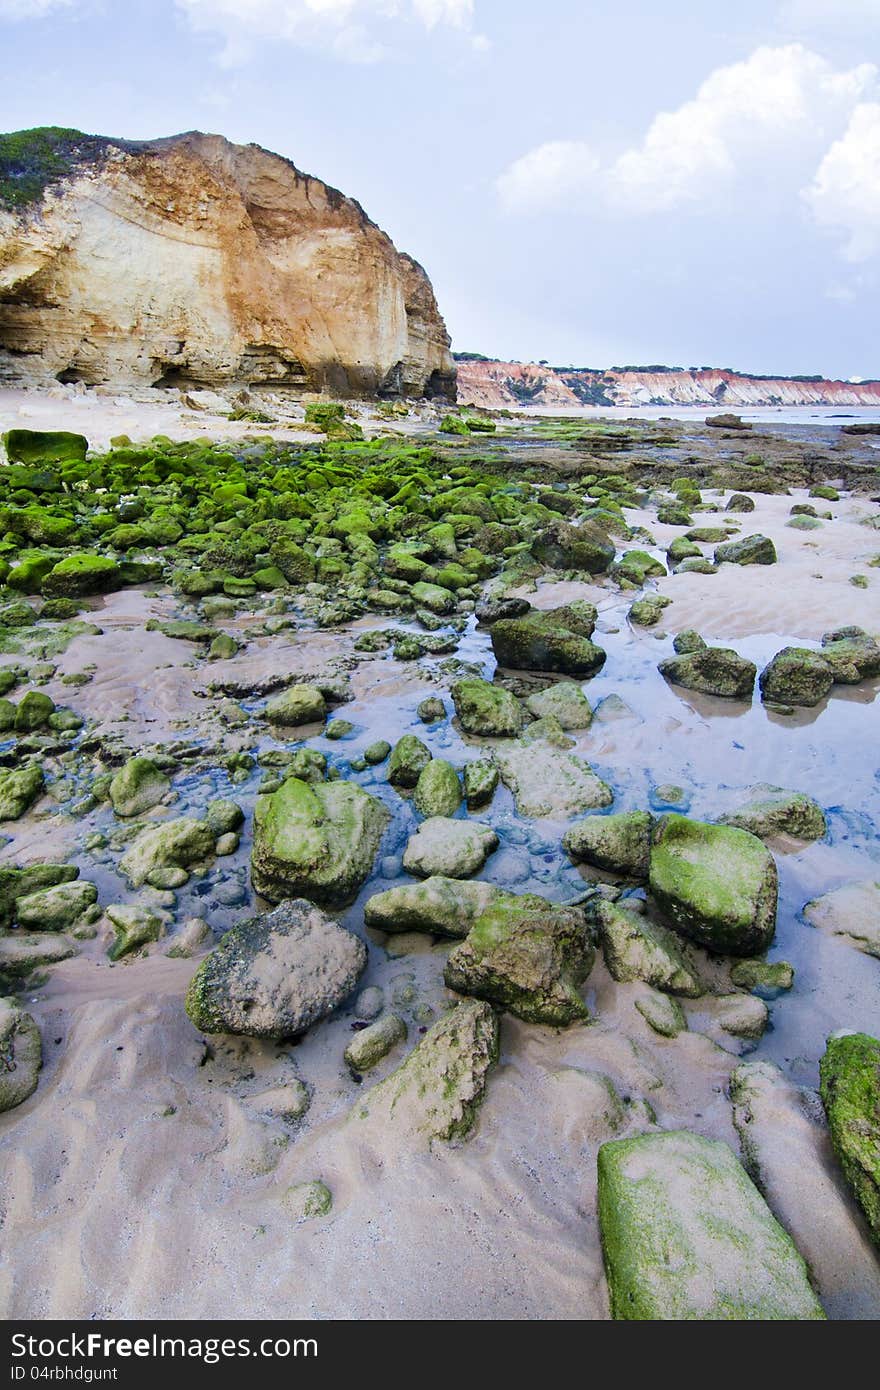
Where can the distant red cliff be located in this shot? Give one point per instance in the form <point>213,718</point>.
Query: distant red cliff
<point>524,385</point>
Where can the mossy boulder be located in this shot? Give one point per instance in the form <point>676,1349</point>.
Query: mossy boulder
<point>647,611</point>
<point>21,1055</point>
<point>185,844</point>
<point>434,597</point>
<point>486,710</point>
<point>527,956</point>
<point>585,548</point>
<point>315,841</point>
<point>850,1089</point>
<point>440,905</point>
<point>619,844</point>
<point>372,1044</point>
<point>450,848</point>
<point>712,671</point>
<point>556,640</point>
<point>274,975</point>
<point>78,576</point>
<point>564,701</point>
<point>686,1236</point>
<point>636,566</point>
<point>852,655</point>
<point>409,758</point>
<point>635,948</point>
<point>19,790</point>
<point>774,811</point>
<point>56,908</point>
<point>438,790</point>
<point>749,550</point>
<point>796,676</point>
<point>137,787</point>
<point>135,925</point>
<point>550,781</point>
<point>299,704</point>
<point>740,502</point>
<point>436,1094</point>
<point>38,447</point>
<point>715,883</point>
<point>33,711</point>
<point>18,883</point>
<point>480,783</point>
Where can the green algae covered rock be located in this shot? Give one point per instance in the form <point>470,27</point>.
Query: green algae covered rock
<point>712,671</point>
<point>528,956</point>
<point>409,758</point>
<point>34,447</point>
<point>441,905</point>
<point>437,1092</point>
<point>636,948</point>
<point>852,655</point>
<point>438,790</point>
<point>636,566</point>
<point>585,548</point>
<point>137,787</point>
<point>620,844</point>
<point>274,975</point>
<point>315,841</point>
<point>33,711</point>
<point>647,612</point>
<point>715,884</point>
<point>557,640</point>
<point>176,844</point>
<point>550,781</point>
<point>796,676</point>
<point>299,704</point>
<point>487,710</point>
<point>19,789</point>
<point>370,1045</point>
<point>750,550</point>
<point>686,1236</point>
<point>134,925</point>
<point>307,1200</point>
<point>767,978</point>
<point>850,1089</point>
<point>77,576</point>
<point>22,952</point>
<point>21,1055</point>
<point>566,702</point>
<point>774,811</point>
<point>450,848</point>
<point>480,782</point>
<point>662,1013</point>
<point>56,908</point>
<point>18,883</point>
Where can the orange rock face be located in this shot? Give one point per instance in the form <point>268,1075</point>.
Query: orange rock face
<point>195,262</point>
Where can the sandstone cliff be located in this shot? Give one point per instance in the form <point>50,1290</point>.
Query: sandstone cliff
<point>519,385</point>
<point>194,262</point>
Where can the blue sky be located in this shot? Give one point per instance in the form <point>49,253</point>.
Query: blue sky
<point>587,182</point>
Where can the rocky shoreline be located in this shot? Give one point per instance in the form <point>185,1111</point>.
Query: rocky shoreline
<point>436,847</point>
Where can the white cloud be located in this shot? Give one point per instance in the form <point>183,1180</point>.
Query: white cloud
<point>30,9</point>
<point>352,29</point>
<point>553,175</point>
<point>755,133</point>
<point>845,194</point>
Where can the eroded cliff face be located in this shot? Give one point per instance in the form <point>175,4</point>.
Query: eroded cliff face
<point>524,385</point>
<point>194,262</point>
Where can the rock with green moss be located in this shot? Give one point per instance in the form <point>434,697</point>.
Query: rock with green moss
<point>550,781</point>
<point>796,676</point>
<point>370,1045</point>
<point>566,702</point>
<point>636,566</point>
<point>715,884</point>
<point>18,883</point>
<point>486,710</point>
<point>185,844</point>
<point>315,841</point>
<point>774,811</point>
<point>585,548</point>
<point>299,704</point>
<point>57,908</point>
<point>767,978</point>
<point>750,550</point>
<point>434,597</point>
<point>852,655</point>
<point>137,787</point>
<point>19,790</point>
<point>224,816</point>
<point>39,447</point>
<point>438,790</point>
<point>307,1200</point>
<point>647,612</point>
<point>33,711</point>
<point>377,752</point>
<point>556,640</point>
<point>480,783</point>
<point>712,671</point>
<point>437,1092</point>
<point>21,1055</point>
<point>635,948</point>
<point>134,925</point>
<point>662,1013</point>
<point>686,1236</point>
<point>22,952</point>
<point>740,502</point>
<point>450,848</point>
<point>274,975</point>
<point>619,844</point>
<point>78,576</point>
<point>409,758</point>
<point>440,905</point>
<point>528,956</point>
<point>850,1090</point>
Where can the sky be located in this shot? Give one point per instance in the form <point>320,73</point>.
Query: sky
<point>587,182</point>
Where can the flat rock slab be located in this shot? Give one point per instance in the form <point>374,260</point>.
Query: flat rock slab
<point>452,848</point>
<point>443,905</point>
<point>274,975</point>
<point>851,913</point>
<point>686,1235</point>
<point>550,782</point>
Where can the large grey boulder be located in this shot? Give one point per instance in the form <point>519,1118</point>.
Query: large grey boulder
<point>550,781</point>
<point>276,974</point>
